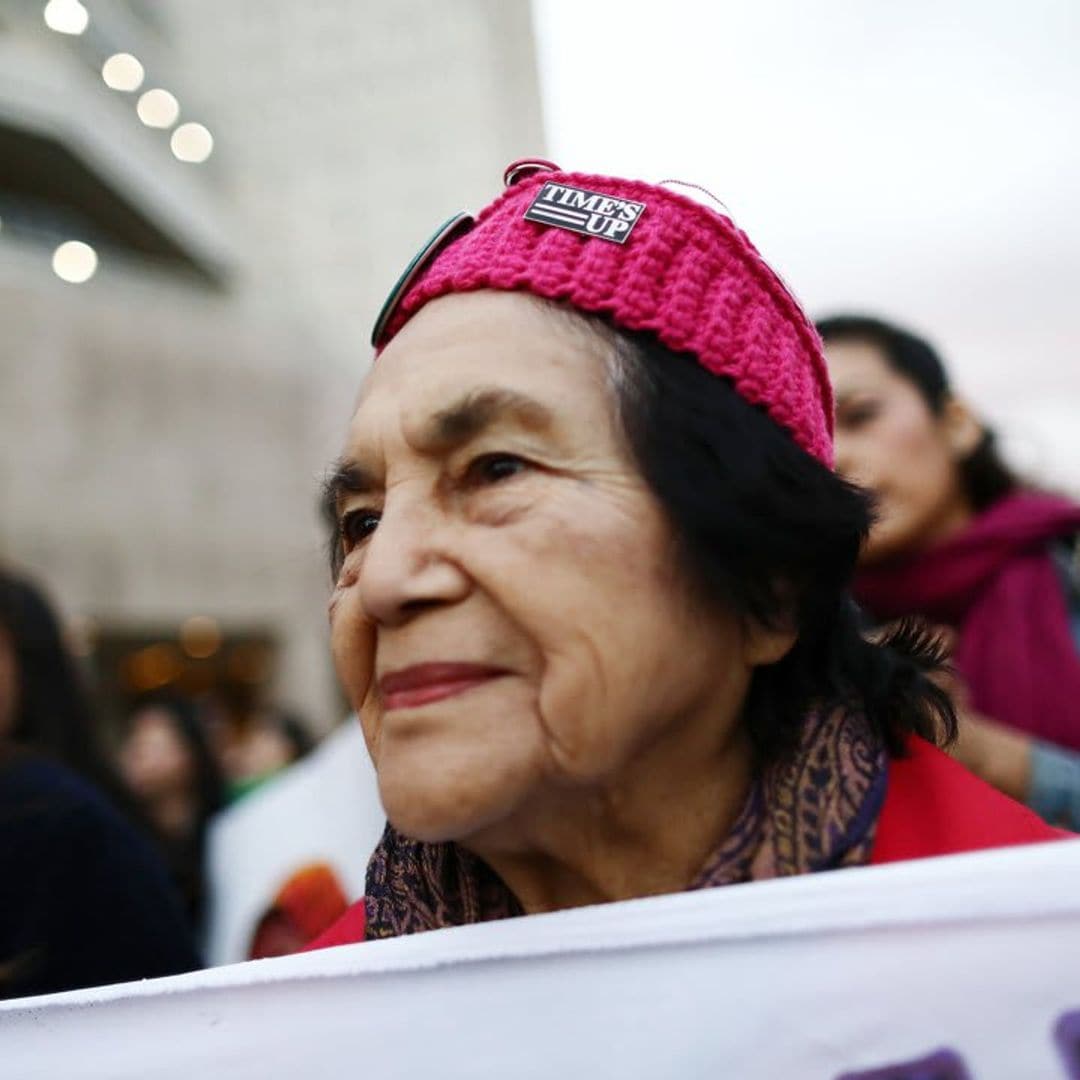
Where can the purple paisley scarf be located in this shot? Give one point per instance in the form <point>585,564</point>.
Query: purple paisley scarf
<point>814,810</point>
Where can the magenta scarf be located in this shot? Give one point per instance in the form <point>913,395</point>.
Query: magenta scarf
<point>997,585</point>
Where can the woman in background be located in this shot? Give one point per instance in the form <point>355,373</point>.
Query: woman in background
<point>260,746</point>
<point>49,711</point>
<point>167,761</point>
<point>959,541</point>
<point>84,898</point>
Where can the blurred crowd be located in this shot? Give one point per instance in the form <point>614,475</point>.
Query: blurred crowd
<point>103,833</point>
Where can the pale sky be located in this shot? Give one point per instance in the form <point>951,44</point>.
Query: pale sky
<point>917,160</point>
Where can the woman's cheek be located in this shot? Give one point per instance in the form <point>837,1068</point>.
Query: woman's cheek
<point>352,666</point>
<point>352,641</point>
<point>583,657</point>
<point>504,504</point>
<point>913,436</point>
<point>370,716</point>
<point>564,715</point>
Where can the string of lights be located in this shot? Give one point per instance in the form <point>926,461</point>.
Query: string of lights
<point>75,261</point>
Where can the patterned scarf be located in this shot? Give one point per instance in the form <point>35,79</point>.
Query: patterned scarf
<point>814,810</point>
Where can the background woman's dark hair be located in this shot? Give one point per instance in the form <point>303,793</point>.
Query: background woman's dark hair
<point>770,533</point>
<point>53,715</point>
<point>984,476</point>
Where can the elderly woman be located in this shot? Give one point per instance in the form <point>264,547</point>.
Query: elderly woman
<point>591,566</point>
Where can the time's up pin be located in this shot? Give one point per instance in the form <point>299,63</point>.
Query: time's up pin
<point>590,213</point>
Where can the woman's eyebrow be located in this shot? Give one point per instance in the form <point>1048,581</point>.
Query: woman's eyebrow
<point>476,411</point>
<point>345,477</point>
<point>448,429</point>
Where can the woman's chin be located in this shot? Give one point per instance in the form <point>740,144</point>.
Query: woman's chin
<point>449,778</point>
<point>885,542</point>
<point>439,813</point>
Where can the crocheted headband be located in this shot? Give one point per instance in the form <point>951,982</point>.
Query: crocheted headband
<point>649,259</point>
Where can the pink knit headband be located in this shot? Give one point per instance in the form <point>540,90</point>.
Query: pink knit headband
<point>649,259</point>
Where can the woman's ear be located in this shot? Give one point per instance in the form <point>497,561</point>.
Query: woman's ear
<point>962,428</point>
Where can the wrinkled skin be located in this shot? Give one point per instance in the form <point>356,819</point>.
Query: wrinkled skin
<point>517,535</point>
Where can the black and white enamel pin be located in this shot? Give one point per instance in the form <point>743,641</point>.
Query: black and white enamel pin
<point>590,213</point>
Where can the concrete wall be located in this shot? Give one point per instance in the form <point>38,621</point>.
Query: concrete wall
<point>162,442</point>
<point>159,457</point>
<point>350,130</point>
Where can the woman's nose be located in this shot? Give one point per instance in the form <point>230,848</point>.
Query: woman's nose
<point>407,567</point>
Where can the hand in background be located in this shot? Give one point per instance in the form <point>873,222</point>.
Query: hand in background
<point>999,755</point>
<point>1042,776</point>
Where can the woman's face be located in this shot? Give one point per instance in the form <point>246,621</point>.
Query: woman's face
<point>260,751</point>
<point>889,441</point>
<point>508,621</point>
<point>155,760</point>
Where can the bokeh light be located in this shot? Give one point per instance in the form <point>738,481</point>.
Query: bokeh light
<point>74,261</point>
<point>152,667</point>
<point>200,637</point>
<point>123,72</point>
<point>192,142</point>
<point>158,108</point>
<point>66,16</point>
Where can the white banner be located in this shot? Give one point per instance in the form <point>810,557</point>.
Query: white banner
<point>969,965</point>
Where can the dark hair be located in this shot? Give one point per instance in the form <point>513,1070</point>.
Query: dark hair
<point>293,729</point>
<point>53,715</point>
<point>984,476</point>
<point>185,854</point>
<point>772,534</point>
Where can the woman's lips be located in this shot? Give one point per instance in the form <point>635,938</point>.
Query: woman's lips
<point>422,684</point>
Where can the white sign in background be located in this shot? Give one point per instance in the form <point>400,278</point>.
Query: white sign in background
<point>817,977</point>
<point>325,809</point>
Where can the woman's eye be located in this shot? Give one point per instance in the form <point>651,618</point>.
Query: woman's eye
<point>356,526</point>
<point>856,416</point>
<point>491,468</point>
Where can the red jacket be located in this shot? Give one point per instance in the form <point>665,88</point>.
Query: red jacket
<point>933,807</point>
<point>936,807</point>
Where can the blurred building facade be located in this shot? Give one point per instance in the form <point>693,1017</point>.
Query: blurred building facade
<point>165,424</point>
